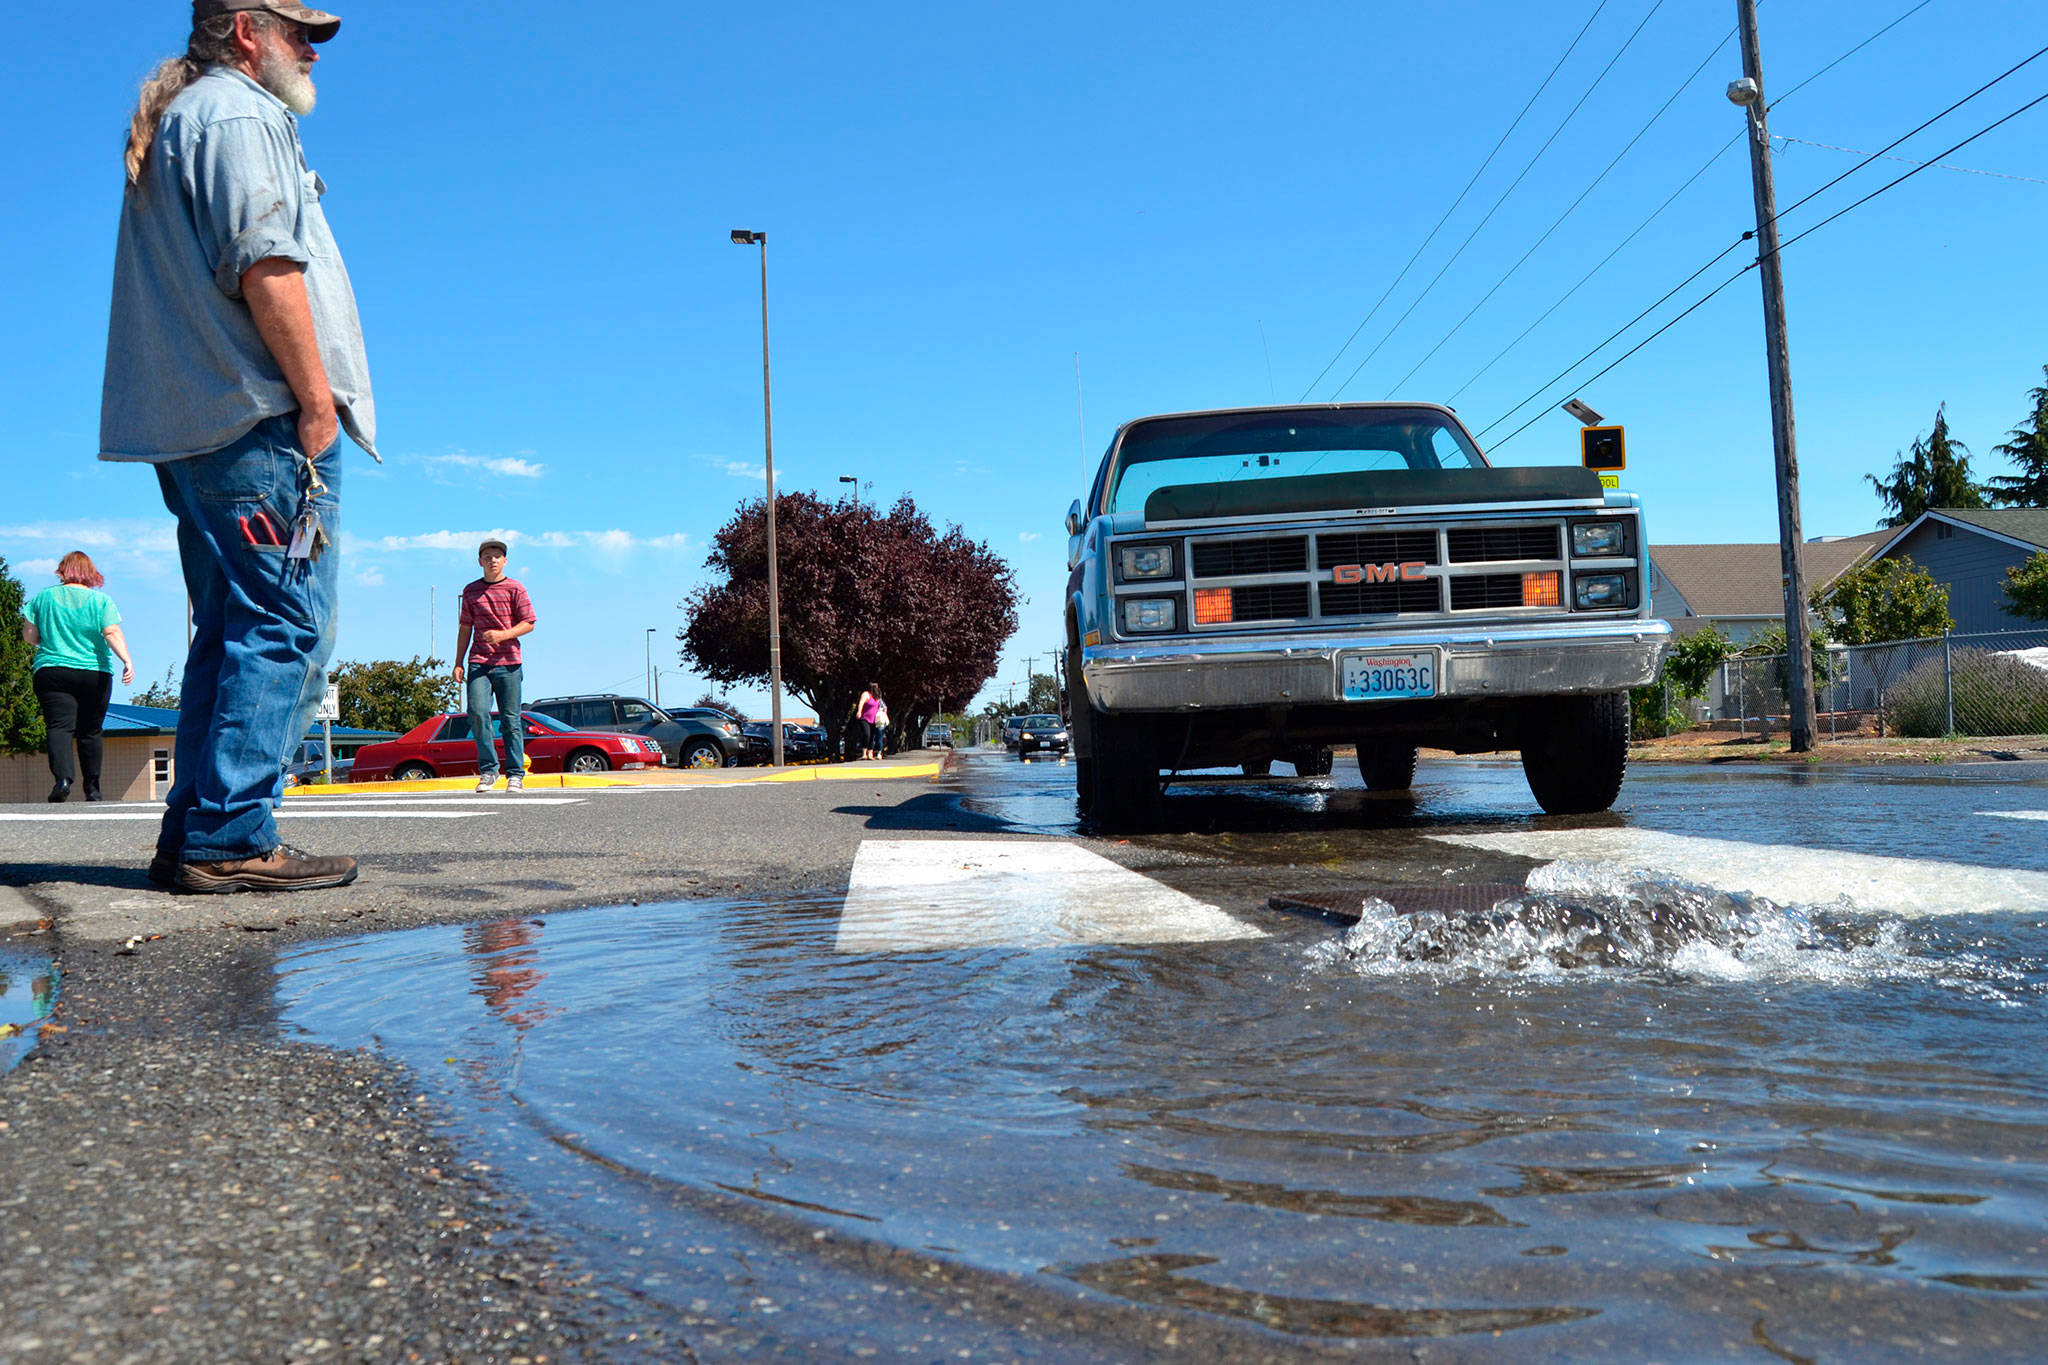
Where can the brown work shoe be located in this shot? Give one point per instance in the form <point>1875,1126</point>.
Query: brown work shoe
<point>284,868</point>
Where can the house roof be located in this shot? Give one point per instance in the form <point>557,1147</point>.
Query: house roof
<point>2026,527</point>
<point>123,719</point>
<point>1749,580</point>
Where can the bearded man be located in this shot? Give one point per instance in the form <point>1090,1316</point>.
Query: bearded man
<point>234,363</point>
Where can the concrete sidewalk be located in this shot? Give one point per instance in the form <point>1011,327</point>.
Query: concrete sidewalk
<point>920,763</point>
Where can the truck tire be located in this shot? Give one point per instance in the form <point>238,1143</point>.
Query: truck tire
<point>1314,761</point>
<point>1123,777</point>
<point>1576,754</point>
<point>1258,767</point>
<point>1386,767</point>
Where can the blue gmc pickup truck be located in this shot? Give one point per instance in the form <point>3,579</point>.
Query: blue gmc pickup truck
<point>1260,584</point>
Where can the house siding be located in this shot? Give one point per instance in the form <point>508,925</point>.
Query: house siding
<point>1973,567</point>
<point>126,768</point>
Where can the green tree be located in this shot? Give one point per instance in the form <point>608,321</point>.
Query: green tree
<point>1691,662</point>
<point>1935,473</point>
<point>21,715</point>
<point>2026,588</point>
<point>386,694</point>
<point>160,694</point>
<point>1884,600</point>
<point>2027,448</point>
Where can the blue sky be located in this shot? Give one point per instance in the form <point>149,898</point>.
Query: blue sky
<point>1201,200</point>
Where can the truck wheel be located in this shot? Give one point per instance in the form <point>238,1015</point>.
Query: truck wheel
<point>1386,767</point>
<point>1577,753</point>
<point>1314,761</point>
<point>1258,767</point>
<point>1124,777</point>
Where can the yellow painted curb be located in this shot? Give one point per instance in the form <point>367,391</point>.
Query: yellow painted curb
<point>822,772</point>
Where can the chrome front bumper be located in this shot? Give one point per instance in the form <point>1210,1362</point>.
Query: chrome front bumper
<point>1518,661</point>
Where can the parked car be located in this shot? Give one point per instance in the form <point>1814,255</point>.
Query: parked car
<point>800,743</point>
<point>440,746</point>
<point>308,763</point>
<point>1011,728</point>
<point>938,736</point>
<point>694,738</point>
<point>1036,733</point>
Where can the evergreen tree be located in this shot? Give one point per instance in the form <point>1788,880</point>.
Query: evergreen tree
<point>1936,473</point>
<point>1884,600</point>
<point>21,715</point>
<point>2028,449</point>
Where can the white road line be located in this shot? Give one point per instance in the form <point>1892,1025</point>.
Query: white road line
<point>153,817</point>
<point>2015,814</point>
<point>910,894</point>
<point>1790,876</point>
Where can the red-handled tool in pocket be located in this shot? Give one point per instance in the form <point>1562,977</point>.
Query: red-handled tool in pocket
<point>269,533</point>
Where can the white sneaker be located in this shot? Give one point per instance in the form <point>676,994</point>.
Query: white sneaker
<point>484,784</point>
<point>515,783</point>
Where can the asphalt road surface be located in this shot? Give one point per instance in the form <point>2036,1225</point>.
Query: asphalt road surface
<point>426,1175</point>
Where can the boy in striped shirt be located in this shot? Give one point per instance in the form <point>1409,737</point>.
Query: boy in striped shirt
<point>495,614</point>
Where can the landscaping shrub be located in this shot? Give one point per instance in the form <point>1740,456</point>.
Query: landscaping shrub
<point>1994,695</point>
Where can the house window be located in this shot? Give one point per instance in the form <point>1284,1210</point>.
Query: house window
<point>159,773</point>
<point>1942,530</point>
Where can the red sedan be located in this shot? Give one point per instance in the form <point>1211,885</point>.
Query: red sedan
<point>441,747</point>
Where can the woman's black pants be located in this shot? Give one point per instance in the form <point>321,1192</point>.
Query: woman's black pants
<point>74,710</point>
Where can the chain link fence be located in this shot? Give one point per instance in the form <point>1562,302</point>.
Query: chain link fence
<point>1988,684</point>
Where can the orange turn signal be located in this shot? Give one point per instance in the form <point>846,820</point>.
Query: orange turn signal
<point>1540,590</point>
<point>1213,605</point>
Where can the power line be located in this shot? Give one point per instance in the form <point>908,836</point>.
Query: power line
<point>1554,133</point>
<point>1670,199</point>
<point>1967,170</point>
<point>1748,235</point>
<point>1569,210</point>
<point>1889,185</point>
<point>1573,47</point>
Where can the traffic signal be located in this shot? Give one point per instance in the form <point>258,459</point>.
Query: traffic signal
<point>1603,448</point>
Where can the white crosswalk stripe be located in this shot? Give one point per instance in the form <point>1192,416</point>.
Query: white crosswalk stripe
<point>1790,876</point>
<point>911,894</point>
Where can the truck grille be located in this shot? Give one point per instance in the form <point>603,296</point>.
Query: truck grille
<point>1376,547</point>
<point>1381,599</point>
<point>1476,592</point>
<point>1234,558</point>
<point>1270,602</point>
<point>1479,544</point>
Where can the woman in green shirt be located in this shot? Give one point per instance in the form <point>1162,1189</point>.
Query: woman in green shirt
<point>77,635</point>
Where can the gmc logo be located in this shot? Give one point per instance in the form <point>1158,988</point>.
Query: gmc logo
<point>1379,573</point>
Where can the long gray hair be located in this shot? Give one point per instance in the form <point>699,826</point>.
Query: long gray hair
<point>212,41</point>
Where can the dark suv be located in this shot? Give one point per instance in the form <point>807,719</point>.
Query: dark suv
<point>689,740</point>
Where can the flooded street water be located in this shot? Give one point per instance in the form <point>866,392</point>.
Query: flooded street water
<point>1752,1067</point>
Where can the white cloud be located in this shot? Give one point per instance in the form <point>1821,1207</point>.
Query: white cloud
<point>1028,536</point>
<point>370,576</point>
<point>130,533</point>
<point>609,542</point>
<point>740,469</point>
<point>504,466</point>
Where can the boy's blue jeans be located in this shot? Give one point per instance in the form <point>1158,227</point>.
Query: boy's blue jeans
<point>262,630</point>
<point>503,682</point>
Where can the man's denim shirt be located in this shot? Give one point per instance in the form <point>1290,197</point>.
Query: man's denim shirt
<point>226,186</point>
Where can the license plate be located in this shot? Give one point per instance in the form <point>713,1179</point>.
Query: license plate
<point>1372,677</point>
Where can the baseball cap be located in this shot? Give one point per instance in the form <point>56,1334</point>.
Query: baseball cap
<point>320,25</point>
<point>497,545</point>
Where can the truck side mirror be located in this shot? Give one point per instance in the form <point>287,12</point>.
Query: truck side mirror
<point>1075,519</point>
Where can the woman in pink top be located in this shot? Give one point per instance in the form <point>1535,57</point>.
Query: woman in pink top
<point>869,710</point>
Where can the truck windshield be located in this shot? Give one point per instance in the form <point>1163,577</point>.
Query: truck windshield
<point>1238,446</point>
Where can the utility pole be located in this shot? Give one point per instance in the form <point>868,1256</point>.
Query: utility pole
<point>744,237</point>
<point>1749,92</point>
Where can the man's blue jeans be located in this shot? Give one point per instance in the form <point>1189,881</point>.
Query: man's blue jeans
<point>262,630</point>
<point>503,682</point>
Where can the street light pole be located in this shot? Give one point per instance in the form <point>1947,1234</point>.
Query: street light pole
<point>650,662</point>
<point>853,479</point>
<point>745,237</point>
<point>1749,92</point>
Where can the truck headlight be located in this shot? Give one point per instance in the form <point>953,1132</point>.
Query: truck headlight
<point>1145,561</point>
<point>1600,590</point>
<point>1599,539</point>
<point>1143,614</point>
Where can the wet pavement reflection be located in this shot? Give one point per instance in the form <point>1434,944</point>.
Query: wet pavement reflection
<point>1589,1112</point>
<point>29,986</point>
